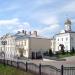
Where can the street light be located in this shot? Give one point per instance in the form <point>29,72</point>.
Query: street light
<point>4,43</point>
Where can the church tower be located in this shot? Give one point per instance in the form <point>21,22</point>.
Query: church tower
<point>68,25</point>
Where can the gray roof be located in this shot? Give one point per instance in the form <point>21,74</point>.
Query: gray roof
<point>19,36</point>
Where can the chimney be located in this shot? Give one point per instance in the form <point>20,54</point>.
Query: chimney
<point>18,32</point>
<point>29,32</point>
<point>35,33</point>
<point>25,32</point>
<point>22,31</point>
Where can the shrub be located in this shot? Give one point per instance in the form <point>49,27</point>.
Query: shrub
<point>57,54</point>
<point>62,49</point>
<point>72,51</point>
<point>46,53</point>
<point>50,52</point>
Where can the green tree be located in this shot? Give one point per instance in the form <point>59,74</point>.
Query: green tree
<point>62,49</point>
<point>57,54</point>
<point>50,52</point>
<point>72,51</point>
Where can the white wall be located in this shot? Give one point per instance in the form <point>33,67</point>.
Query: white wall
<point>65,42</point>
<point>72,40</point>
<point>9,48</point>
<point>53,44</point>
<point>24,45</point>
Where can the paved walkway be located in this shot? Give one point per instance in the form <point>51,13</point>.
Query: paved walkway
<point>71,59</point>
<point>70,62</point>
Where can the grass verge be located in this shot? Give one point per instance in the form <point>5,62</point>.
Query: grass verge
<point>8,70</point>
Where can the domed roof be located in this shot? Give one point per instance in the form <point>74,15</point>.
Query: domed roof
<point>68,21</point>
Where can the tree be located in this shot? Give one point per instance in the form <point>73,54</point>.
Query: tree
<point>72,51</point>
<point>62,49</point>
<point>50,52</point>
<point>57,53</point>
<point>21,50</point>
<point>46,53</point>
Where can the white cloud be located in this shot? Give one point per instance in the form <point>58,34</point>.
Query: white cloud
<point>13,21</point>
<point>50,20</point>
<point>23,26</point>
<point>50,30</point>
<point>46,18</point>
<point>14,25</point>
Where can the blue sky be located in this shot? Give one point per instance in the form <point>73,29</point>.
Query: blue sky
<point>45,16</point>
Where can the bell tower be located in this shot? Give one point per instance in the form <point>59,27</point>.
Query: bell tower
<point>68,25</point>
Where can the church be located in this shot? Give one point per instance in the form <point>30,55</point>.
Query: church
<point>65,39</point>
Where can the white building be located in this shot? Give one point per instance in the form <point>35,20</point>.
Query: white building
<point>9,48</point>
<point>32,44</point>
<point>66,38</point>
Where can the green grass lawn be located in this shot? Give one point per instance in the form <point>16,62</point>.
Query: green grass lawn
<point>8,70</point>
<point>65,55</point>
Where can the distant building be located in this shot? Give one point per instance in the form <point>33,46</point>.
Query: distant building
<point>32,44</point>
<point>65,39</point>
<point>9,48</point>
<point>52,45</point>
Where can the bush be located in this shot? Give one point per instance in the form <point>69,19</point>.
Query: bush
<point>57,54</point>
<point>50,52</point>
<point>62,51</point>
<point>72,51</point>
<point>46,53</point>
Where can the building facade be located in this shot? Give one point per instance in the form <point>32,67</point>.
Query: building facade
<point>9,47</point>
<point>66,38</point>
<point>31,44</point>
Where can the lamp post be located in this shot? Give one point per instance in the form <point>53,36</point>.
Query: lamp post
<point>4,43</point>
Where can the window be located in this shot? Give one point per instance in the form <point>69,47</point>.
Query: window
<point>8,42</point>
<point>24,51</point>
<point>20,42</point>
<point>72,38</point>
<point>62,39</point>
<point>66,39</point>
<point>58,39</point>
<point>24,43</point>
<point>66,47</point>
<point>17,43</point>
